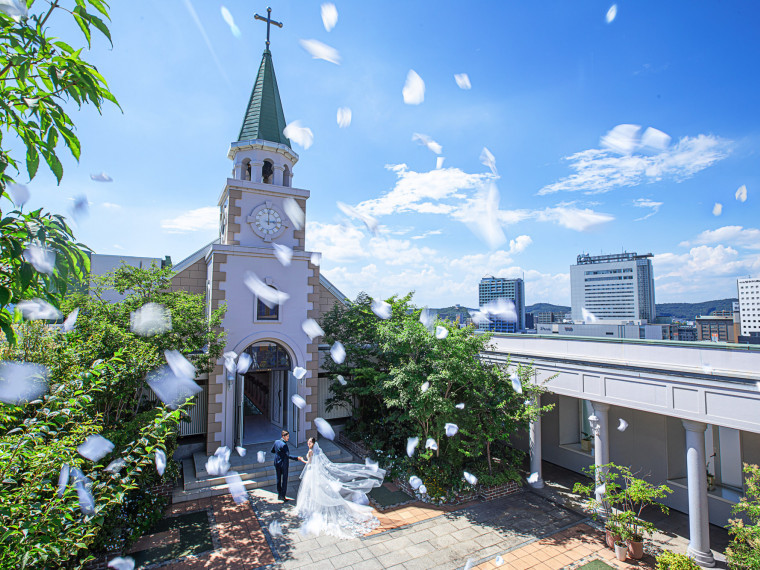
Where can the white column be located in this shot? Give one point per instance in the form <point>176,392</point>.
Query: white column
<point>277,176</point>
<point>699,521</point>
<point>601,441</point>
<point>535,447</point>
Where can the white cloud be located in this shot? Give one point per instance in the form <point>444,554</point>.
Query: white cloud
<point>573,218</point>
<point>337,242</point>
<point>647,203</point>
<point>193,220</point>
<point>111,206</point>
<point>602,170</point>
<point>705,260</point>
<point>737,235</point>
<point>428,233</point>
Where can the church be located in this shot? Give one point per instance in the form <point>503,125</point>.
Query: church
<point>259,219</point>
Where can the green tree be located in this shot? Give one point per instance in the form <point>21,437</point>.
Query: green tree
<point>40,76</point>
<point>744,550</point>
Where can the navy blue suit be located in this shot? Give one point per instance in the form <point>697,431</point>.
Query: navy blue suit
<point>281,466</point>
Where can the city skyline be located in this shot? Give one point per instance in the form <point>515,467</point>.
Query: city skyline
<point>570,175</point>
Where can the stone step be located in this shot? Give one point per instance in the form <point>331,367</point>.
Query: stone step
<point>180,496</point>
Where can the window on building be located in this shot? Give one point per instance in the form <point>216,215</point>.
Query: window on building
<point>267,172</point>
<point>265,312</point>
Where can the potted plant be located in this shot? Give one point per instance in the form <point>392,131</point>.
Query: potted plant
<point>621,550</point>
<point>586,441</point>
<point>612,531</point>
<point>605,506</point>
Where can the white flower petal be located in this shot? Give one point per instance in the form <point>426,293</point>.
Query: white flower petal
<point>463,81</point>
<point>414,89</point>
<point>318,50</point>
<point>324,428</point>
<point>329,15</point>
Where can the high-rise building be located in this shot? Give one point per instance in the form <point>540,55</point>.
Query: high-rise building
<point>715,329</point>
<point>617,287</point>
<point>493,288</point>
<point>749,305</point>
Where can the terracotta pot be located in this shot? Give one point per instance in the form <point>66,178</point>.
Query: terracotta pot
<point>610,538</point>
<point>636,549</point>
<point>621,551</point>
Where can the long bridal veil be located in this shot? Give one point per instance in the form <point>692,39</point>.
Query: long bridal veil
<point>332,498</point>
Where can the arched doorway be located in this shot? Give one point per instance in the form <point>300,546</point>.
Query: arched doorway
<point>264,406</point>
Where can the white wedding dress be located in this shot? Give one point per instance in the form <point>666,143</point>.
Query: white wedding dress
<point>332,498</point>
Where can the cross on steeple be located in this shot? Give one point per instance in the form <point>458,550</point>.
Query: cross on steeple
<point>269,21</point>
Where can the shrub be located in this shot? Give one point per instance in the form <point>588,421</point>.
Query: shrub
<point>672,561</point>
<point>744,550</point>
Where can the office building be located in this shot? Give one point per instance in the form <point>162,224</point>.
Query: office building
<point>494,288</point>
<point>749,305</point>
<point>547,317</point>
<point>716,329</point>
<point>606,330</point>
<point>617,288</point>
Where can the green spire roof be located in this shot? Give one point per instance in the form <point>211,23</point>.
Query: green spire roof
<point>264,118</point>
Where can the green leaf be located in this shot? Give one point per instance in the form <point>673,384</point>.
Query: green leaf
<point>100,7</point>
<point>100,25</point>
<point>54,164</point>
<point>71,141</point>
<point>79,16</point>
<point>32,160</point>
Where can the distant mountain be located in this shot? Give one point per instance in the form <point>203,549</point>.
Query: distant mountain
<point>689,311</point>
<point>547,307</point>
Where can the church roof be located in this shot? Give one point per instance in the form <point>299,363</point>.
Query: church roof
<point>264,118</point>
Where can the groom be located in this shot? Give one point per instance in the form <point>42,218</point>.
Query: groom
<point>281,465</point>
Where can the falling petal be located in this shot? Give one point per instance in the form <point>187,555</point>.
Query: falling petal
<point>588,316</point>
<point>460,406</point>
<point>439,162</point>
<point>151,319</point>
<point>283,253</point>
<point>261,456</point>
<point>600,490</point>
<point>275,529</point>
<point>318,50</point>
<point>414,89</point>
<point>329,15</point>
<point>298,401</point>
<point>425,387</point>
<point>219,463</point>
<point>230,363</point>
<point>312,329</point>
<point>71,321</point>
<point>498,561</point>
<point>43,260</point>
<point>19,193</point>
<point>16,9</point>
<point>502,309</point>
<point>427,318</point>
<point>431,444</point>
<point>160,461</point>
<point>316,259</point>
<point>244,363</point>
<point>338,353</point>
<point>299,372</point>
<point>63,479</point>
<point>116,465</point>
<point>382,309</point>
<point>415,482</point>
<point>324,428</point>
<point>352,212</point>
<point>463,81</point>
<point>171,389</point>
<point>102,177</point>
<point>489,160</point>
<point>623,425</point>
<point>623,139</point>
<point>741,193</point>
<point>451,429</point>
<point>236,487</point>
<point>341,380</point>
<point>611,13</point>
<point>422,490</point>
<point>298,134</point>
<point>470,478</point>
<point>441,332</point>
<point>180,365</point>
<point>425,140</point>
<point>270,296</point>
<point>86,500</point>
<point>374,465</point>
<point>230,22</point>
<point>717,209</point>
<point>38,310</point>
<point>95,447</point>
<point>655,139</point>
<point>294,212</point>
<point>469,564</point>
<point>483,216</point>
<point>516,384</point>
<point>480,318</point>
<point>81,208</point>
<point>344,117</point>
<point>533,478</point>
<point>122,563</point>
<point>411,445</point>
<point>312,525</point>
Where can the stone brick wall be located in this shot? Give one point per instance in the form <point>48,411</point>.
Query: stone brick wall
<point>191,279</point>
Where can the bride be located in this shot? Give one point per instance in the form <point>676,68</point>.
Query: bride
<point>332,498</point>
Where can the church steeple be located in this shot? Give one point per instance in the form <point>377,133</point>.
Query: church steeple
<point>264,118</point>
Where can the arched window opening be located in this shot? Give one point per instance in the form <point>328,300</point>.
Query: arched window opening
<point>286,176</point>
<point>246,170</point>
<point>267,172</point>
<point>268,356</point>
<point>267,311</point>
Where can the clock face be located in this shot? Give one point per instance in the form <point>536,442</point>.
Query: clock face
<point>268,221</point>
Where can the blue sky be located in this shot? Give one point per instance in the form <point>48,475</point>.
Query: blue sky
<point>552,83</point>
